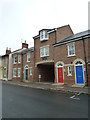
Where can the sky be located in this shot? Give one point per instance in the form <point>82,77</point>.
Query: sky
<point>21,20</point>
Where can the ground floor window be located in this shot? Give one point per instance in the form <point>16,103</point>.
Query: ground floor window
<point>19,72</point>
<point>5,73</point>
<point>69,71</point>
<point>30,71</point>
<point>14,72</point>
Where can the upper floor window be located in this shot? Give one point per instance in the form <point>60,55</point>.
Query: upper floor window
<point>19,58</point>
<point>71,50</point>
<point>15,60</point>
<point>44,51</point>
<point>43,35</point>
<point>28,57</point>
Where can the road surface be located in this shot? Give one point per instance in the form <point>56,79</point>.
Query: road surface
<point>24,102</point>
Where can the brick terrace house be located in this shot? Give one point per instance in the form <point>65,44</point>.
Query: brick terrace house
<point>58,56</point>
<point>28,65</point>
<point>4,64</point>
<point>22,63</point>
<point>70,57</point>
<point>44,54</point>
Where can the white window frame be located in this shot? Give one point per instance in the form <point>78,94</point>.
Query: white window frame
<point>30,71</point>
<point>28,55</point>
<point>19,58</point>
<point>69,49</point>
<point>44,51</point>
<point>43,35</point>
<point>15,62</point>
<point>69,74</point>
<point>19,72</point>
<point>14,71</point>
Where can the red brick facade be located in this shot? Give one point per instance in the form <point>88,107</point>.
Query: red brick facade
<point>23,64</point>
<point>44,63</point>
<point>62,56</point>
<point>28,65</point>
<point>46,68</point>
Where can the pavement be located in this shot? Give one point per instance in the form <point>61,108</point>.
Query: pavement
<point>51,86</point>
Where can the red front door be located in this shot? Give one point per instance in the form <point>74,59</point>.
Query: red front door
<point>60,75</point>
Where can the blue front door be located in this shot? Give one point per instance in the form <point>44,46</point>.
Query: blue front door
<point>79,74</point>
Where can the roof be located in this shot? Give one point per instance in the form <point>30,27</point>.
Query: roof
<point>74,37</point>
<point>49,30</point>
<point>23,51</point>
<point>18,51</point>
<point>5,55</point>
<point>29,49</point>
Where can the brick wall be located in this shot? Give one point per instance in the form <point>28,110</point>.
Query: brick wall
<point>89,60</point>
<point>29,64</point>
<point>63,32</point>
<point>16,66</point>
<point>61,54</point>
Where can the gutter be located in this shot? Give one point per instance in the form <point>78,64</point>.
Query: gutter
<point>71,40</point>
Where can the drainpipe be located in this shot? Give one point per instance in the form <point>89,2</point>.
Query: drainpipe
<point>55,35</point>
<point>22,66</point>
<point>54,54</point>
<point>85,61</point>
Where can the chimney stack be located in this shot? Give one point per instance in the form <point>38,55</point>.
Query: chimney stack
<point>8,51</point>
<point>24,45</point>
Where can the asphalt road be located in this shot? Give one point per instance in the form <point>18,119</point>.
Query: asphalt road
<point>23,102</point>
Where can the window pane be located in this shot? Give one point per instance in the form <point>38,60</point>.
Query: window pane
<point>47,51</point>
<point>14,73</point>
<point>18,72</point>
<point>19,59</point>
<point>15,59</point>
<point>71,49</point>
<point>69,70</point>
<point>41,35</point>
<point>30,71</point>
<point>28,57</point>
<point>46,34</point>
<point>41,52</point>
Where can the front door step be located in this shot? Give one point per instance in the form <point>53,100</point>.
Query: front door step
<point>78,85</point>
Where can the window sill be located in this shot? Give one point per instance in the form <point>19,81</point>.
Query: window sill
<point>44,56</point>
<point>71,55</point>
<point>28,61</point>
<point>45,39</point>
<point>14,63</point>
<point>14,76</point>
<point>69,75</point>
